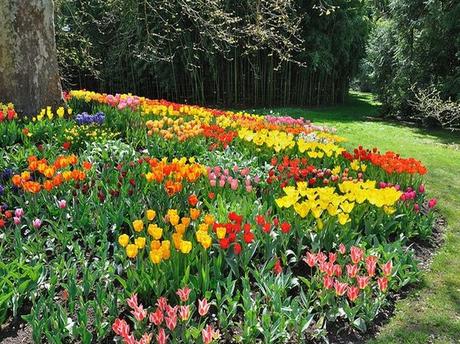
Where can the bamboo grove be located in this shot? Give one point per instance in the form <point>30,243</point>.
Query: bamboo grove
<point>222,52</point>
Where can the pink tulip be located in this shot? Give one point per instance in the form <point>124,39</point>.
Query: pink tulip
<point>156,317</point>
<point>310,259</point>
<point>207,334</point>
<point>328,282</point>
<point>62,204</point>
<point>234,184</point>
<point>332,257</point>
<point>121,328</point>
<point>235,168</point>
<point>352,293</point>
<point>352,270</point>
<point>37,223</point>
<point>356,254</point>
<point>248,188</point>
<point>362,281</point>
<point>387,268</point>
<point>371,264</point>
<point>162,303</point>
<point>342,249</point>
<point>340,288</point>
<point>432,203</point>
<point>212,182</point>
<point>222,183</point>
<point>203,307</point>
<point>162,337</point>
<point>171,322</point>
<point>139,313</point>
<point>184,293</point>
<point>132,301</point>
<point>245,171</point>
<point>421,188</point>
<point>184,312</point>
<point>19,212</point>
<point>382,283</point>
<point>16,220</point>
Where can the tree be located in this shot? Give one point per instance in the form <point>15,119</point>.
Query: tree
<point>29,73</point>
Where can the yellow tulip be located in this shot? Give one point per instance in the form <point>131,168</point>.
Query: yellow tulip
<point>131,250</point>
<point>156,256</point>
<point>138,225</point>
<point>140,242</point>
<point>150,214</point>
<point>123,240</point>
<point>221,231</point>
<point>185,246</point>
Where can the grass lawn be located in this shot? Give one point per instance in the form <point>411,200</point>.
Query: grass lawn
<point>431,314</point>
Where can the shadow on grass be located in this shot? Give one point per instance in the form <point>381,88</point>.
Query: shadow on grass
<point>358,107</point>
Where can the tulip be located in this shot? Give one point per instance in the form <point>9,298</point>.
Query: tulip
<point>123,240</point>
<point>321,257</point>
<point>234,184</point>
<point>352,270</point>
<point>162,302</point>
<point>139,313</point>
<point>432,203</point>
<point>19,212</point>
<point>184,293</point>
<point>332,257</point>
<point>184,312</point>
<point>162,337</point>
<point>328,282</point>
<point>371,264</point>
<point>337,270</point>
<point>310,259</point>
<point>342,249</point>
<point>121,328</point>
<point>62,204</point>
<point>156,317</point>
<point>387,268</point>
<point>132,301</point>
<point>16,220</point>
<point>37,223</point>
<point>277,269</point>
<point>421,188</point>
<point>382,283</point>
<point>356,254</point>
<point>207,334</point>
<point>213,182</point>
<point>171,322</point>
<point>352,293</point>
<point>340,288</point>
<point>203,307</point>
<point>362,281</point>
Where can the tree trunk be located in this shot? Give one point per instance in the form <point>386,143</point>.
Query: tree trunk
<point>29,72</point>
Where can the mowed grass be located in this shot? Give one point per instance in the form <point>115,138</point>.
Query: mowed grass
<point>431,313</point>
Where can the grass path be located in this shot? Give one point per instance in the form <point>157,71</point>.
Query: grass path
<point>431,313</point>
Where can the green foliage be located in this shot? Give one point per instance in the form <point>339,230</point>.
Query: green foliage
<point>413,45</point>
<point>232,52</point>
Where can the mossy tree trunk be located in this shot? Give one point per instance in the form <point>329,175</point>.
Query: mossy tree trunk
<point>29,72</point>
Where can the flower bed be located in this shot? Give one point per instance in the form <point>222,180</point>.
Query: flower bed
<point>151,221</point>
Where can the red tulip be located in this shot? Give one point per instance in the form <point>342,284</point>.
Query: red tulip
<point>277,268</point>
<point>285,227</point>
<point>352,270</point>
<point>332,257</point>
<point>328,282</point>
<point>353,293</point>
<point>362,281</point>
<point>356,254</point>
<point>184,293</point>
<point>337,270</point>
<point>340,288</point>
<point>121,328</point>
<point>156,317</point>
<point>310,259</point>
<point>203,307</point>
<point>371,264</point>
<point>162,337</point>
<point>387,268</point>
<point>382,283</point>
